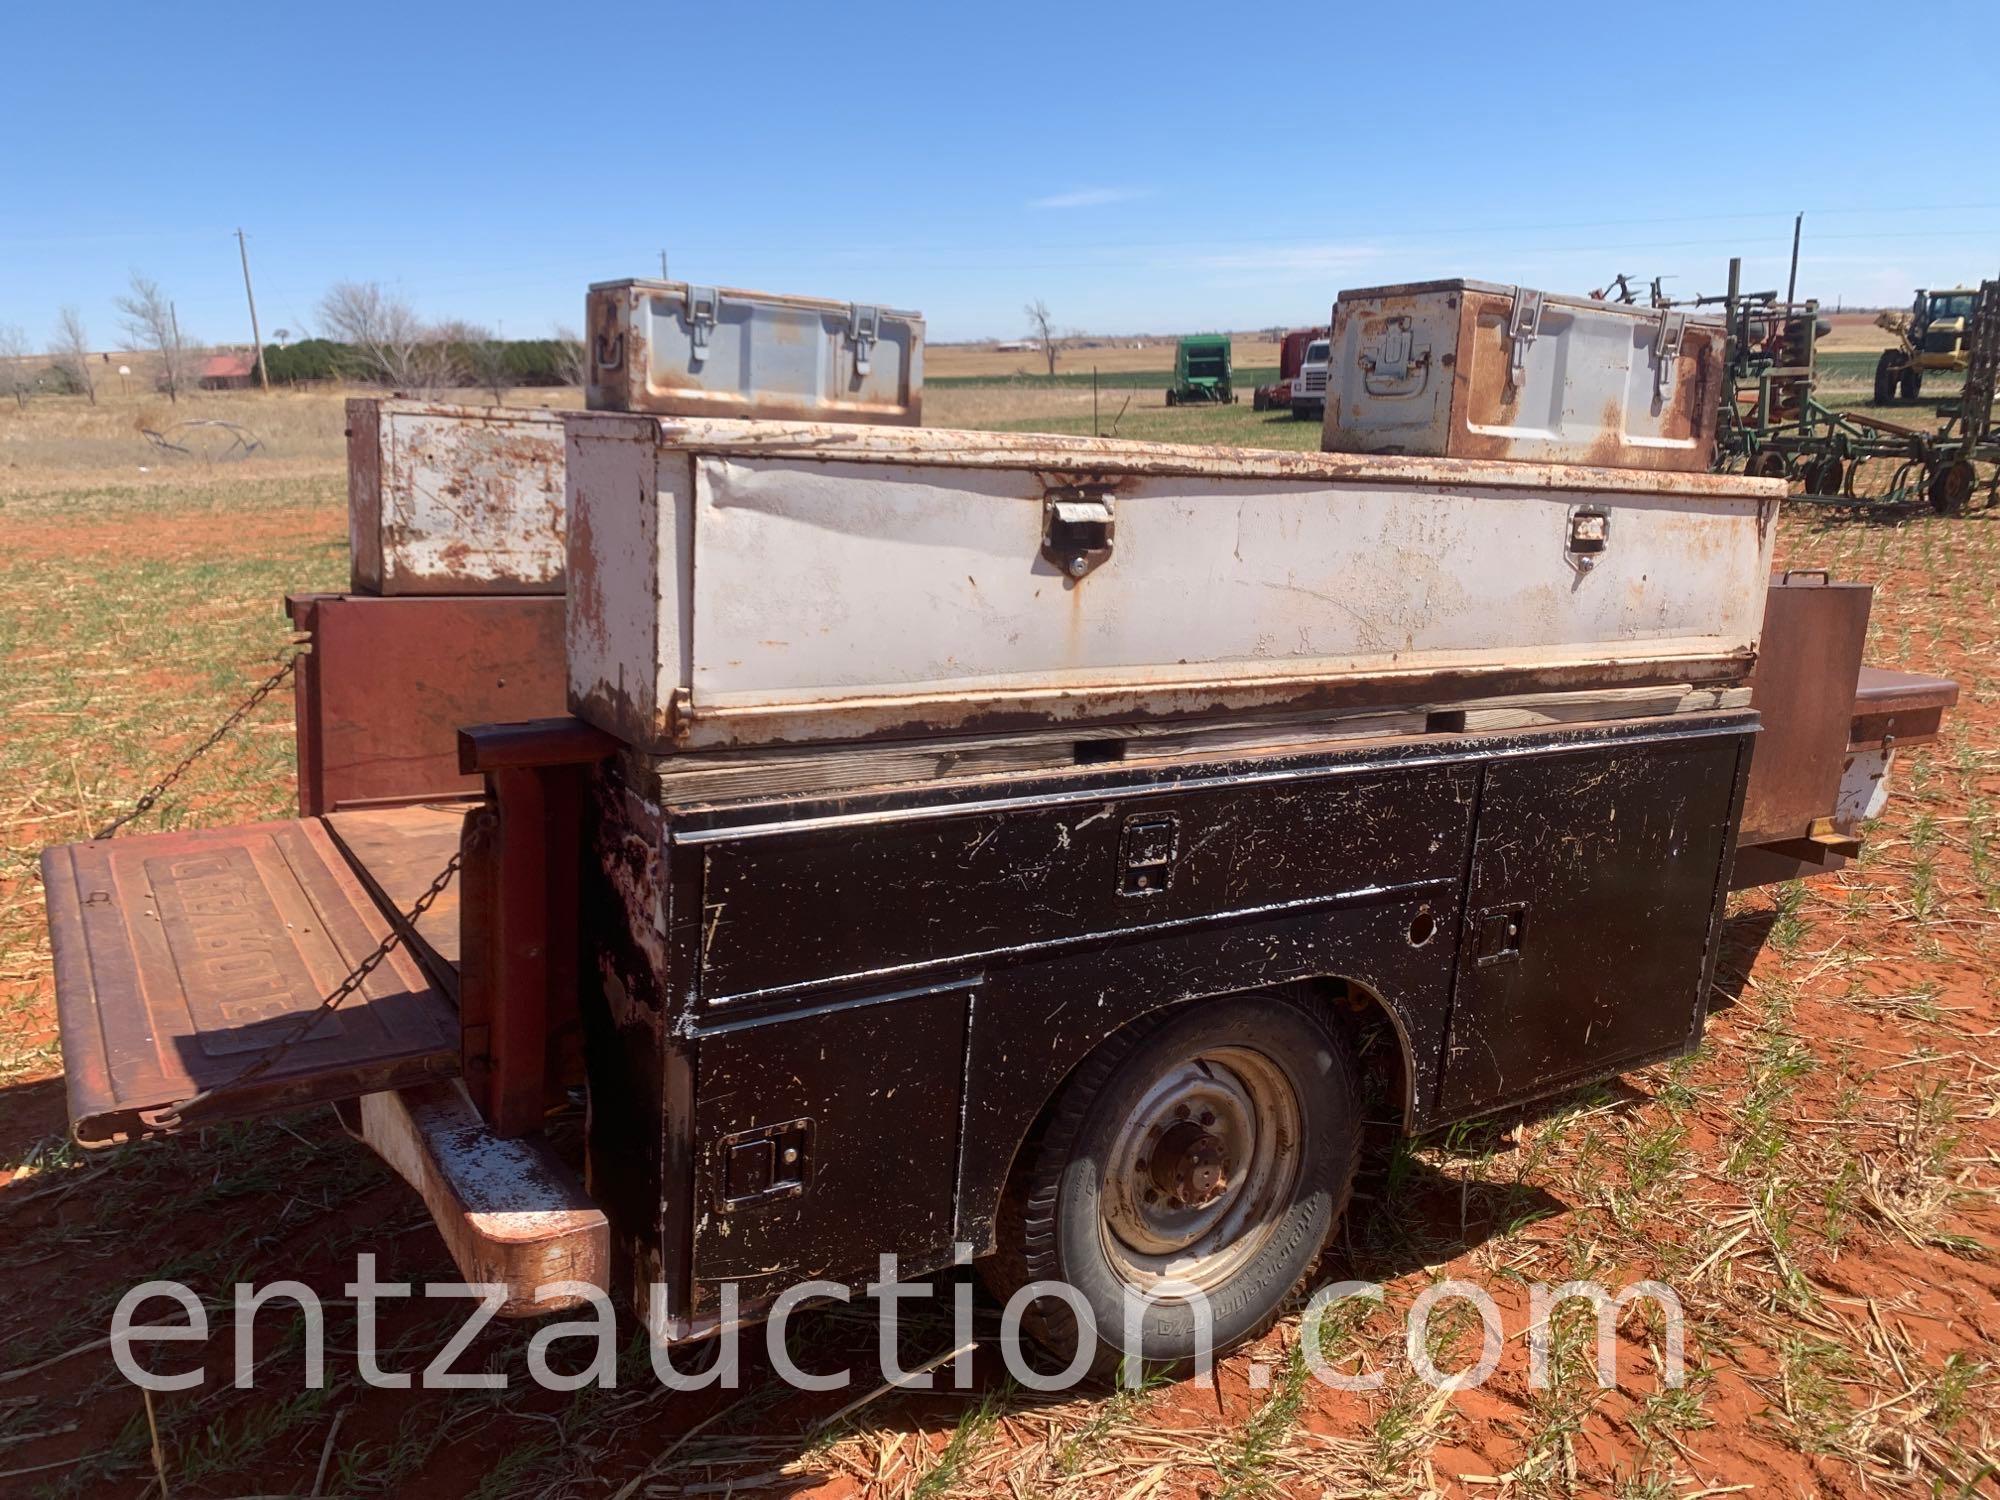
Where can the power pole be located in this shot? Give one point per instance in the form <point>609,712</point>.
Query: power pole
<point>1792,282</point>
<point>663,265</point>
<point>256,337</point>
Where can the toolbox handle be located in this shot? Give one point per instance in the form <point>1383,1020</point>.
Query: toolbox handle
<point>1824,575</point>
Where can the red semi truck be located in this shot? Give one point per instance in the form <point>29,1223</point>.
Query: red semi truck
<point>1291,352</point>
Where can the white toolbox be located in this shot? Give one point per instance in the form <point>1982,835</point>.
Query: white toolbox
<point>448,499</point>
<point>755,583</point>
<point>681,350</point>
<point>1467,369</point>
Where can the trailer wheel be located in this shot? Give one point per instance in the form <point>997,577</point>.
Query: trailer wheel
<point>1215,1147</point>
<point>1172,399</point>
<point>1911,384</point>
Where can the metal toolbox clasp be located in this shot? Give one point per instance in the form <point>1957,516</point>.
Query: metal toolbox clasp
<point>1077,530</point>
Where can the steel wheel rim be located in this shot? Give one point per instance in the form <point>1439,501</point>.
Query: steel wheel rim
<point>1227,1112</point>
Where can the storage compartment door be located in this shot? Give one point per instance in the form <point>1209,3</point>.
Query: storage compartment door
<point>187,964</point>
<point>1595,887</point>
<point>825,1139</point>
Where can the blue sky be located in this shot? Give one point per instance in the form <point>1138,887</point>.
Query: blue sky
<point>1144,167</point>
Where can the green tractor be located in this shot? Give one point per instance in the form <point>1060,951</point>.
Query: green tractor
<point>1201,371</point>
<point>1930,336</point>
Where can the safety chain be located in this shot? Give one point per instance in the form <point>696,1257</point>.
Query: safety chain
<point>173,1115</point>
<point>145,803</point>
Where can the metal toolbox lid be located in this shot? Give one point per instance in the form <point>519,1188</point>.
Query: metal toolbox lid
<point>1499,289</point>
<point>654,286</point>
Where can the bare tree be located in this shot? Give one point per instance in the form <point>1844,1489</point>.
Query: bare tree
<point>397,348</point>
<point>72,352</point>
<point>1041,328</point>
<point>150,322</point>
<point>479,357</point>
<point>570,363</point>
<point>14,364</point>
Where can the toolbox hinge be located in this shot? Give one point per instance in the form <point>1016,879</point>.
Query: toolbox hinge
<point>1524,325</point>
<point>1667,350</point>
<point>864,325</point>
<point>703,305</point>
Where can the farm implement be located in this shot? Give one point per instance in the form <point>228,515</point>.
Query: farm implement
<point>1773,423</point>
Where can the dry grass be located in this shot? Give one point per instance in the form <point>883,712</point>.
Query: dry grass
<point>1818,1182</point>
<point>1111,357</point>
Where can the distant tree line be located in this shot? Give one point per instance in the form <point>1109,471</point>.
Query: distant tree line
<point>521,362</point>
<point>373,337</point>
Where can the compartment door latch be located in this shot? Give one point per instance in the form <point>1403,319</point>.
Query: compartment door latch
<point>763,1165</point>
<point>1146,853</point>
<point>1496,934</point>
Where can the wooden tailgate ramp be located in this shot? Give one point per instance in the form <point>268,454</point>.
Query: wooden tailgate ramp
<point>183,958</point>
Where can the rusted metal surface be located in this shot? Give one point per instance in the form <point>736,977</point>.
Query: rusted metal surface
<point>1898,708</point>
<point>520,995</point>
<point>397,851</point>
<point>510,1212</point>
<point>386,684</point>
<point>1804,690</point>
<point>665,346</point>
<point>771,589</point>
<point>1086,457</point>
<point>749,971</point>
<point>555,741</point>
<point>445,499</point>
<point>182,957</point>
<point>1467,369</point>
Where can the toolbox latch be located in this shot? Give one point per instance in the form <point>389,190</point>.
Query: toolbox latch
<point>704,304</point>
<point>864,326</point>
<point>1394,361</point>
<point>765,1164</point>
<point>1146,854</point>
<point>1524,326</point>
<point>1589,535</point>
<point>1667,351</point>
<point>1077,530</point>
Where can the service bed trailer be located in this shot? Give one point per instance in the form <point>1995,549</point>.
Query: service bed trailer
<point>924,838</point>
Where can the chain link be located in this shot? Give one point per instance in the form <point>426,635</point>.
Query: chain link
<point>173,1115</point>
<point>151,796</point>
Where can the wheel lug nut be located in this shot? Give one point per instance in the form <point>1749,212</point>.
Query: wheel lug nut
<point>1208,1117</point>
<point>1181,1111</point>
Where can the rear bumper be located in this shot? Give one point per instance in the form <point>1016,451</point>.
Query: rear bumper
<point>510,1212</point>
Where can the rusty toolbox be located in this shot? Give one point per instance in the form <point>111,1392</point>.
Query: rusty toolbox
<point>681,350</point>
<point>454,499</point>
<point>757,583</point>
<point>1468,369</point>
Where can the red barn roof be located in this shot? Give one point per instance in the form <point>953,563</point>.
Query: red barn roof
<point>228,366</point>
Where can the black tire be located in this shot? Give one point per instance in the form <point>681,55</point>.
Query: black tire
<point>1910,384</point>
<point>1885,376</point>
<point>1172,400</point>
<point>1257,401</point>
<point>1952,486</point>
<point>1057,1220</point>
